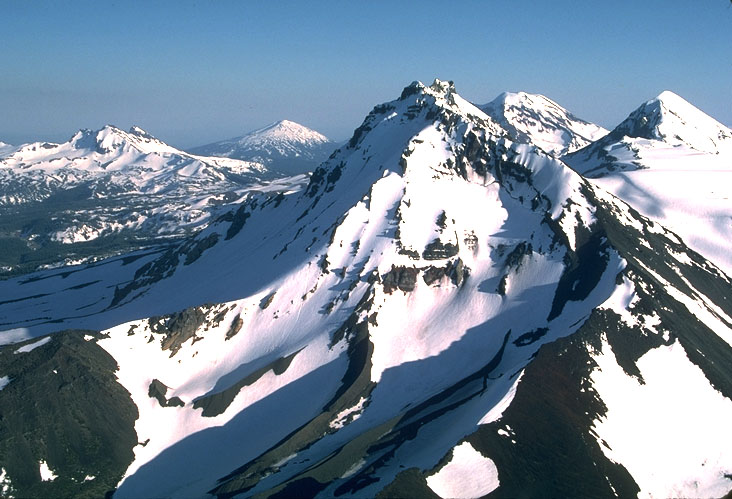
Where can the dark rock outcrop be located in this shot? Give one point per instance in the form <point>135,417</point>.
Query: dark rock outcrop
<point>402,278</point>
<point>157,390</point>
<point>178,327</point>
<point>436,250</point>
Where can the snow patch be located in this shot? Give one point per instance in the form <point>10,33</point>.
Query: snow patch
<point>4,381</point>
<point>348,415</point>
<point>47,474</point>
<point>5,486</point>
<point>468,474</point>
<point>32,346</point>
<point>354,469</point>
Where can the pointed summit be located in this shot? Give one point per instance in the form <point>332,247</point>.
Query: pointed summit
<point>285,146</point>
<point>283,131</point>
<point>666,123</point>
<point>536,119</point>
<point>671,119</point>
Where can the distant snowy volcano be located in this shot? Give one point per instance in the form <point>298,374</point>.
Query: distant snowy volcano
<point>284,146</point>
<point>535,119</point>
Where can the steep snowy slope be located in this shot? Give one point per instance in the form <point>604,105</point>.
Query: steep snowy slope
<point>110,184</point>
<point>673,163</point>
<point>284,146</point>
<point>535,119</point>
<point>435,302</point>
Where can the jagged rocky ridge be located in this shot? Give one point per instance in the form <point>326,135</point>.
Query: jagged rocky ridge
<point>429,317</point>
<point>110,191</point>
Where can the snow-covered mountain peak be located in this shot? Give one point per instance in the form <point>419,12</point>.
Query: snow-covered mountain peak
<point>673,120</point>
<point>672,99</point>
<point>110,138</point>
<point>534,118</point>
<point>283,131</point>
<point>664,132</point>
<point>284,146</point>
<point>435,140</point>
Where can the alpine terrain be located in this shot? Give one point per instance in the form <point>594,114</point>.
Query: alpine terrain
<point>672,163</point>
<point>284,146</point>
<point>538,120</point>
<point>445,311</point>
<point>109,191</point>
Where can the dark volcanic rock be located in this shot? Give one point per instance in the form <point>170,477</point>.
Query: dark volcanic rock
<point>436,250</point>
<point>455,270</point>
<point>64,406</point>
<point>236,325</point>
<point>403,278</point>
<point>157,390</point>
<point>178,327</point>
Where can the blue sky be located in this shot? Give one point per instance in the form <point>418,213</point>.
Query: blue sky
<point>192,72</point>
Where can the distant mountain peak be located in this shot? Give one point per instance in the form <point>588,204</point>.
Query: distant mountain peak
<point>672,119</point>
<point>662,127</point>
<point>534,118</point>
<point>111,138</point>
<point>283,131</point>
<point>285,146</point>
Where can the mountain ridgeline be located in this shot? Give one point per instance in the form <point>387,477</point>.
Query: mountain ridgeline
<point>445,310</point>
<point>109,192</point>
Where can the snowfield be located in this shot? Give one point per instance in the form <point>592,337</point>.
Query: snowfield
<point>378,331</point>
